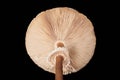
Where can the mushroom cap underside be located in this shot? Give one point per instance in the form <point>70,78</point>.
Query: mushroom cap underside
<point>60,25</point>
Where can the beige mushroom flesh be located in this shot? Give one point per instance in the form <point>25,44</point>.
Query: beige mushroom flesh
<point>60,40</point>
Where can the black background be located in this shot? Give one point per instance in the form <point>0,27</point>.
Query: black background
<point>18,14</point>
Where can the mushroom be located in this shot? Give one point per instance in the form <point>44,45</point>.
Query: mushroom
<point>60,40</point>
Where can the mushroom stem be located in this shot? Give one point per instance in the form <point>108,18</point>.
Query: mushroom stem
<point>58,69</point>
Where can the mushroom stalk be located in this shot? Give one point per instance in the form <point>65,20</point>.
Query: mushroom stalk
<point>58,69</point>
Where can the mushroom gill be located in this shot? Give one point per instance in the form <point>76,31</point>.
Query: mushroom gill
<point>62,32</point>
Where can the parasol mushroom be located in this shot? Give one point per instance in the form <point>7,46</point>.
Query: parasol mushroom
<point>60,40</point>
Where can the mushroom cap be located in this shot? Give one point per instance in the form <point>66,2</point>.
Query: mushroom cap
<point>60,25</point>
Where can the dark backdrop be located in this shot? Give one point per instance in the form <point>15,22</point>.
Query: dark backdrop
<point>18,14</point>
